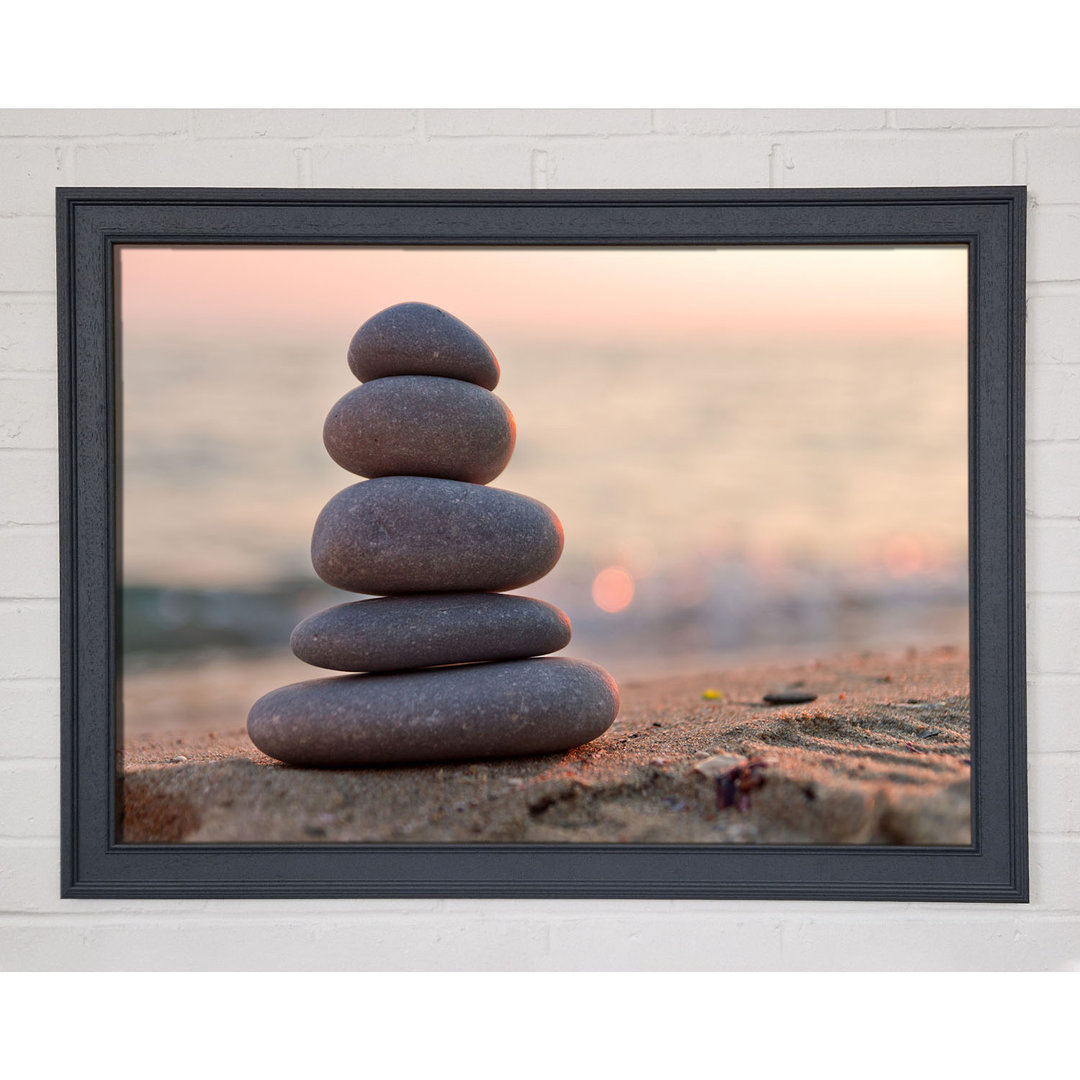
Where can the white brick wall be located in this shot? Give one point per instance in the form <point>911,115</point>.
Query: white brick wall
<point>541,148</point>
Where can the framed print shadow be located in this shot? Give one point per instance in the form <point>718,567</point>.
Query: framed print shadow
<point>640,543</point>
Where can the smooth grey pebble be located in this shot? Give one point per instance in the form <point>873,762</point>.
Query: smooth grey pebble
<point>420,425</point>
<point>389,633</point>
<point>406,534</point>
<point>414,338</point>
<point>515,707</point>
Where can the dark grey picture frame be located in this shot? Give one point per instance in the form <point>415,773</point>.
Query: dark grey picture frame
<point>91,225</point>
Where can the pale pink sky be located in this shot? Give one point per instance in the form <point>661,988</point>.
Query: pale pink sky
<point>807,398</point>
<point>587,295</point>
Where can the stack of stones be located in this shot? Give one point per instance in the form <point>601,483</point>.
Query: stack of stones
<point>452,667</point>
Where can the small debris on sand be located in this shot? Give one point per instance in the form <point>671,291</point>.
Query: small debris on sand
<point>790,695</point>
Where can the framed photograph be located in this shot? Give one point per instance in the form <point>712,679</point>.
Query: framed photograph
<point>629,543</point>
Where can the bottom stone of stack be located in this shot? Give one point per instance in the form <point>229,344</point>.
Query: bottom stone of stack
<point>537,706</point>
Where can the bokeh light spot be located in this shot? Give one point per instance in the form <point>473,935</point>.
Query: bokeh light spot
<point>613,589</point>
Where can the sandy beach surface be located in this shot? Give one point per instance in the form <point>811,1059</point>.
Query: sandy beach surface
<point>882,756</point>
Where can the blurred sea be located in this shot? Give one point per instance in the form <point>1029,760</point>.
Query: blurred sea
<point>753,498</point>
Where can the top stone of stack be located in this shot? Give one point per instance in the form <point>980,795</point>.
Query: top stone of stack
<point>420,339</point>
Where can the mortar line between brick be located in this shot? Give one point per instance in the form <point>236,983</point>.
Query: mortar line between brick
<point>876,134</point>
<point>303,166</point>
<point>297,141</point>
<point>776,164</point>
<point>1020,158</point>
<point>1044,593</point>
<point>478,915</point>
<point>79,139</point>
<point>575,136</point>
<point>538,169</point>
<point>997,129</point>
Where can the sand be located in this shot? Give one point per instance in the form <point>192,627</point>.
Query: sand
<point>881,757</point>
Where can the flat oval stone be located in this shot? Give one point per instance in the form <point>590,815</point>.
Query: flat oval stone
<point>394,632</point>
<point>537,706</point>
<point>788,696</point>
<point>407,534</point>
<point>421,425</point>
<point>421,339</point>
